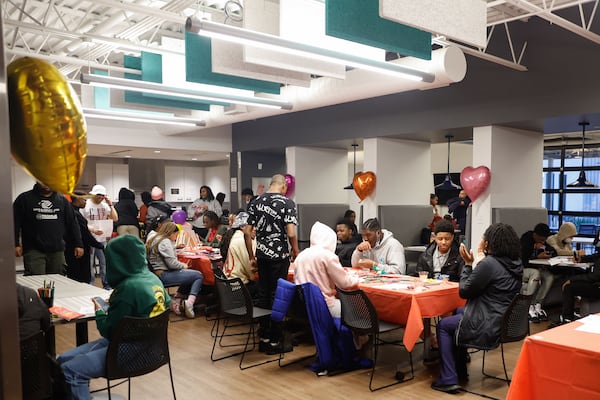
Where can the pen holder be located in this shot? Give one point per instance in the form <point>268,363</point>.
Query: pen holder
<point>47,296</point>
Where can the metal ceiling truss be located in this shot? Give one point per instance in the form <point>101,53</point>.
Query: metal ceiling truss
<point>76,34</point>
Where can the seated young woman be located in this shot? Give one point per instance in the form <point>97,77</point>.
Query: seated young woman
<point>160,250</point>
<point>212,222</point>
<point>239,259</point>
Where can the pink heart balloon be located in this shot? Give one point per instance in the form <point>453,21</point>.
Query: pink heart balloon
<point>475,180</point>
<point>291,185</point>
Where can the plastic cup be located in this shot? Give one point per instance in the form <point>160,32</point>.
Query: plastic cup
<point>423,275</point>
<point>445,278</point>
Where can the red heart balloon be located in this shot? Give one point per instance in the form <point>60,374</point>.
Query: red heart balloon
<point>475,180</point>
<point>364,184</point>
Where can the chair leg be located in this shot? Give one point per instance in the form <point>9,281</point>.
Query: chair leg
<point>172,383</point>
<point>504,365</point>
<point>251,334</point>
<point>129,388</point>
<point>108,388</point>
<point>507,380</point>
<point>376,343</point>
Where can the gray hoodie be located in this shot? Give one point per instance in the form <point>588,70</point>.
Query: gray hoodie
<point>388,254</point>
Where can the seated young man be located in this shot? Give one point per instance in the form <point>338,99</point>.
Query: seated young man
<point>346,241</point>
<point>534,246</point>
<point>379,250</point>
<point>442,255</point>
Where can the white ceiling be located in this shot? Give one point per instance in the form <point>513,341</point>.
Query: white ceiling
<point>77,35</point>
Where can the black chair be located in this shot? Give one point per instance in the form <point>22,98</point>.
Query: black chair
<point>35,368</point>
<point>515,327</point>
<point>359,314</point>
<point>236,306</point>
<point>138,346</point>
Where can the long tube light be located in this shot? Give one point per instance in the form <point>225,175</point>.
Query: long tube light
<point>157,88</point>
<point>140,117</point>
<point>258,39</point>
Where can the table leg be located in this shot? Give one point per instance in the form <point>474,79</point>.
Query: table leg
<point>426,337</point>
<point>81,332</point>
<point>51,341</point>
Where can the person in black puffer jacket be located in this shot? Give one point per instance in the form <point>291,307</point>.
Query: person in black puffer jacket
<point>489,281</point>
<point>442,255</point>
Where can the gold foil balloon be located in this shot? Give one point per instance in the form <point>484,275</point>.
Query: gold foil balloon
<point>364,184</point>
<point>47,128</point>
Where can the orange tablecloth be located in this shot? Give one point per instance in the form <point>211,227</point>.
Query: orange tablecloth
<point>560,363</point>
<point>409,307</point>
<point>200,263</point>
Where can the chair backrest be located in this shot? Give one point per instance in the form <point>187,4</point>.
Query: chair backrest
<point>138,346</point>
<point>358,313</point>
<point>35,368</point>
<point>234,298</point>
<point>515,324</point>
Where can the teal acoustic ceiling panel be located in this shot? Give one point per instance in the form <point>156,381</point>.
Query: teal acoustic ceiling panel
<point>198,68</point>
<point>359,21</point>
<point>101,94</point>
<point>151,66</point>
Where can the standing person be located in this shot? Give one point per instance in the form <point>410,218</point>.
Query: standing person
<point>489,281</point>
<point>274,217</point>
<point>160,250</point>
<point>42,219</point>
<point>79,268</point>
<point>206,202</point>
<point>433,202</point>
<point>534,246</point>
<point>442,255</point>
<point>458,208</point>
<point>99,208</point>
<point>146,200</point>
<point>319,264</point>
<point>379,250</point>
<point>137,293</point>
<point>158,207</point>
<point>128,213</point>
<point>346,241</point>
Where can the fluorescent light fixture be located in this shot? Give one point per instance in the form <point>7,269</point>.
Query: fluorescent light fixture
<point>140,117</point>
<point>244,36</point>
<point>157,88</point>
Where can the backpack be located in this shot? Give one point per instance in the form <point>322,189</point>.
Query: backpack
<point>164,211</point>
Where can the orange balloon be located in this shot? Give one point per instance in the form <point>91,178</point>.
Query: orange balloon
<point>364,184</point>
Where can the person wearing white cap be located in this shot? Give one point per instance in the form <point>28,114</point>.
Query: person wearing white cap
<point>99,208</point>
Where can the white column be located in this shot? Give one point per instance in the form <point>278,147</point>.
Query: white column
<point>403,170</point>
<point>514,158</point>
<point>320,174</point>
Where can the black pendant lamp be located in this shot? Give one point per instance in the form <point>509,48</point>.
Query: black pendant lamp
<point>448,184</point>
<point>582,181</point>
<point>351,186</point>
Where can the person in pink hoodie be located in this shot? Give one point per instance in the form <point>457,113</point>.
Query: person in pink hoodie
<point>320,265</point>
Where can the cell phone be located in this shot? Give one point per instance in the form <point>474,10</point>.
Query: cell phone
<point>101,302</point>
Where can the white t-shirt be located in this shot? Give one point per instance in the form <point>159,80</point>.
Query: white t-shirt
<point>98,216</point>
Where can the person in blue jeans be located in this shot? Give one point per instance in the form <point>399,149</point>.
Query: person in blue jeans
<point>160,249</point>
<point>137,293</point>
<point>489,281</point>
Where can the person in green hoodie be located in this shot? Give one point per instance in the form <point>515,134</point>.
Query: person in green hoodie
<point>137,293</point>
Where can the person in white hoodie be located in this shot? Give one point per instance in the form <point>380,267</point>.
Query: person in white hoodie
<point>320,265</point>
<point>379,250</point>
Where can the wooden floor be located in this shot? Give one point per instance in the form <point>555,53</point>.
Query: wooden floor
<point>197,377</point>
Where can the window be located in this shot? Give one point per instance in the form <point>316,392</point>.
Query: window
<point>578,205</point>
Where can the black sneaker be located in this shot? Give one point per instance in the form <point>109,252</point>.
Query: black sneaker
<point>263,345</point>
<point>542,316</point>
<point>278,348</point>
<point>560,321</point>
<point>452,389</point>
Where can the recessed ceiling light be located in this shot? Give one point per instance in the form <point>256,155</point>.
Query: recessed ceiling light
<point>227,155</point>
<point>157,151</point>
<point>127,156</point>
<point>194,159</point>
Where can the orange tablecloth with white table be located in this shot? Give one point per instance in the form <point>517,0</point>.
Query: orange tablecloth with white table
<point>560,363</point>
<point>408,307</point>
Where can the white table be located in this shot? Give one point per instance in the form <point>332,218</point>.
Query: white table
<point>418,249</point>
<point>546,262</point>
<point>70,294</point>
<point>583,240</point>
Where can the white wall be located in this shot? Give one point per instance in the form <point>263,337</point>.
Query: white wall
<point>21,180</point>
<point>461,155</point>
<point>320,173</point>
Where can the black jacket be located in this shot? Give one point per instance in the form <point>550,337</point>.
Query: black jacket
<point>126,208</point>
<point>33,313</point>
<point>453,266</point>
<point>528,252</point>
<point>344,251</point>
<point>489,289</point>
<point>44,223</point>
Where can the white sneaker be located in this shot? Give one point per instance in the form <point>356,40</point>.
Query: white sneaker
<point>533,315</point>
<point>542,316</point>
<point>188,309</point>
